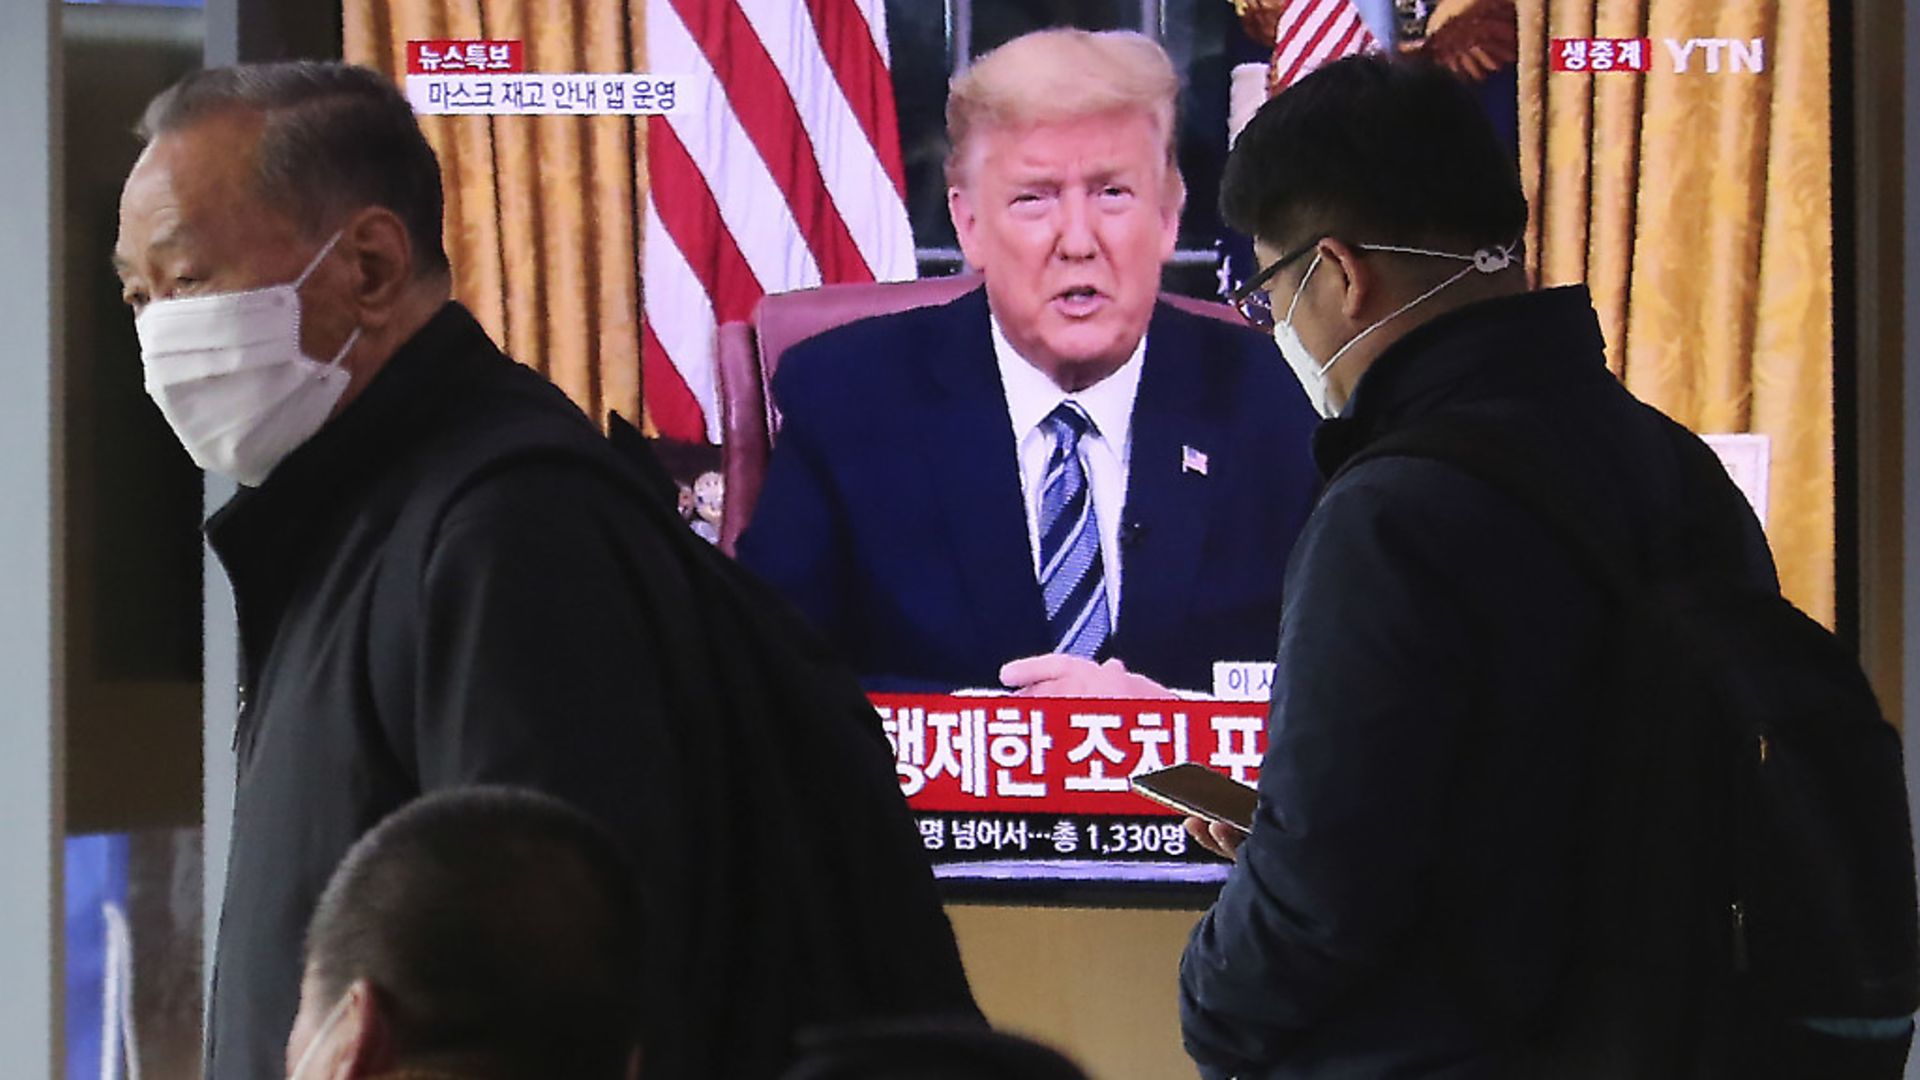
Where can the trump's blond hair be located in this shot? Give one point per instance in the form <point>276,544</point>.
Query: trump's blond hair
<point>1059,75</point>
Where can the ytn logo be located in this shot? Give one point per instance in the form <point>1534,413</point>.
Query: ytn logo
<point>1739,56</point>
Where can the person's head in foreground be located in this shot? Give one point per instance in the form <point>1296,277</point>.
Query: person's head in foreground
<point>1065,194</point>
<point>280,238</point>
<point>481,933</point>
<point>1378,197</point>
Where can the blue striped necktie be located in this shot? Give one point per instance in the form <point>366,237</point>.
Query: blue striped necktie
<point>1073,578</point>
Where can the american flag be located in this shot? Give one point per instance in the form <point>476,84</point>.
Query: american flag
<point>1312,32</point>
<point>782,172</point>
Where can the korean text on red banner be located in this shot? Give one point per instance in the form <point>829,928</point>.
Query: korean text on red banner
<point>1059,755</point>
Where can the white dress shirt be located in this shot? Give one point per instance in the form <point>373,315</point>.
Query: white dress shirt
<point>1031,396</point>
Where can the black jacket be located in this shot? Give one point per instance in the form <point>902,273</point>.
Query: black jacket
<point>1400,908</point>
<point>458,580</point>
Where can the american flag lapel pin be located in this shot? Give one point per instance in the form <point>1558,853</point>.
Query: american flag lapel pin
<point>1193,461</point>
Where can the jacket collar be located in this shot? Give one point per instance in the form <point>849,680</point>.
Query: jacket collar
<point>1507,348</point>
<point>957,358</point>
<point>265,536</point>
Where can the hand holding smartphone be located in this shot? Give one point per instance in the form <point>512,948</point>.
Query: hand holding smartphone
<point>1200,792</point>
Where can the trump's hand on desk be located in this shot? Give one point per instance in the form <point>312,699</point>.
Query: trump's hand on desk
<point>1059,675</point>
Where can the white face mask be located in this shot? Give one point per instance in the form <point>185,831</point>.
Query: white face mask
<point>229,376</point>
<point>1312,373</point>
<point>319,1036</point>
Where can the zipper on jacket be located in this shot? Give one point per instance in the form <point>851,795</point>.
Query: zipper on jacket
<point>243,674</point>
<point>1739,926</point>
<point>1747,781</point>
<point>239,712</point>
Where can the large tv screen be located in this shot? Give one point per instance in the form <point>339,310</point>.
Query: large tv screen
<point>627,190</point>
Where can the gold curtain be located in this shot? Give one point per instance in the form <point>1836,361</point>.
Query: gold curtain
<point>543,212</point>
<point>1698,208</point>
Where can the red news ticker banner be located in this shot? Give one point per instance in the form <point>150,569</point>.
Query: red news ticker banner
<point>466,56</point>
<point>1059,755</point>
<point>1601,54</point>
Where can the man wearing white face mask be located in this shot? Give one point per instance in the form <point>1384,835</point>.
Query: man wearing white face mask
<point>1400,907</point>
<point>444,574</point>
<point>227,371</point>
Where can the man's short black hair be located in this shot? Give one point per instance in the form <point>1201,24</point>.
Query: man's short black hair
<point>337,138</point>
<point>1374,150</point>
<point>500,931</point>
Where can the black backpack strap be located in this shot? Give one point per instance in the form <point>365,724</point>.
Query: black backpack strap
<point>634,447</point>
<point>1487,450</point>
<point>1633,841</point>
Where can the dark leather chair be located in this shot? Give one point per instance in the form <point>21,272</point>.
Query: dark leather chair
<point>749,353</point>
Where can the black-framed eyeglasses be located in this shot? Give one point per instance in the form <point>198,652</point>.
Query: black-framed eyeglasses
<point>1251,299</point>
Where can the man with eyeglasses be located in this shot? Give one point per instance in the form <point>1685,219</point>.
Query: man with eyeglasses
<point>1401,905</point>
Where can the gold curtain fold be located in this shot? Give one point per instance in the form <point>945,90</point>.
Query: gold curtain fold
<point>543,213</point>
<point>1698,208</point>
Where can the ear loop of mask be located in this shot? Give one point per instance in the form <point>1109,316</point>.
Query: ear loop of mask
<point>352,338</point>
<point>1487,260</point>
<point>320,1034</point>
<point>314,263</point>
<point>1301,291</point>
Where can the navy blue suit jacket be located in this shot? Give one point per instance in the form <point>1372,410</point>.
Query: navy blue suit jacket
<point>892,518</point>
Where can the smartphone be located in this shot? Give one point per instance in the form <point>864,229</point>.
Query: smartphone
<point>1195,789</point>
